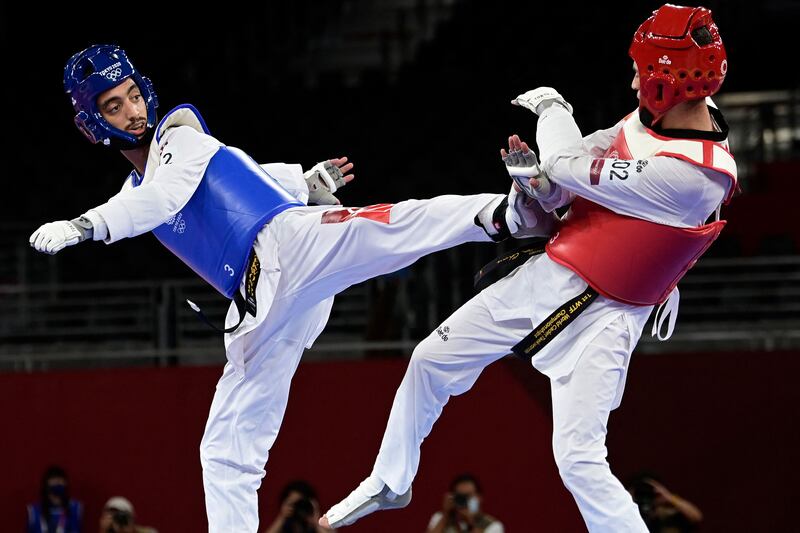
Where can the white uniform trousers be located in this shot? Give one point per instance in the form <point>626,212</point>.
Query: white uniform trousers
<point>582,400</point>
<point>304,263</point>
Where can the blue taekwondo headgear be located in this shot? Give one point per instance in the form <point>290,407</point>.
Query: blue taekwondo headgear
<point>93,71</point>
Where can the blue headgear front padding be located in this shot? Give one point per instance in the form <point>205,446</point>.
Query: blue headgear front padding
<point>215,230</point>
<point>93,71</point>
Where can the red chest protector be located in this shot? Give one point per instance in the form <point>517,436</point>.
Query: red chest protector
<point>631,260</point>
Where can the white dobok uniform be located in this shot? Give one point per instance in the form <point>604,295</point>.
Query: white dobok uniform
<point>587,361</point>
<point>304,263</point>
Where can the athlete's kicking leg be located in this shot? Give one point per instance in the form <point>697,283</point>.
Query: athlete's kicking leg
<point>306,256</point>
<point>437,371</point>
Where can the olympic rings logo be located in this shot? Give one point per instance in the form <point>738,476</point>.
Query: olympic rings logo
<point>177,222</point>
<point>114,74</point>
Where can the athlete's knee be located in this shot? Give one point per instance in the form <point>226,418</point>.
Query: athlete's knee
<point>443,373</point>
<point>423,354</point>
<point>572,470</point>
<point>211,453</point>
<point>428,370</point>
<point>579,465</point>
<point>429,359</point>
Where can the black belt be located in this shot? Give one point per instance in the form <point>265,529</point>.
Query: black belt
<point>244,304</point>
<point>559,319</point>
<point>553,324</point>
<point>507,262</point>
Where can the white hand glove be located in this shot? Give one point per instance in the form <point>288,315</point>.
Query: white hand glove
<point>522,166</point>
<point>54,236</point>
<point>537,100</point>
<point>324,179</point>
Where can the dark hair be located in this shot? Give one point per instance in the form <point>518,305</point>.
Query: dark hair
<point>52,471</point>
<point>465,478</point>
<point>303,487</point>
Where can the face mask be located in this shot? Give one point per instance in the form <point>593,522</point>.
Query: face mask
<point>58,490</point>
<point>473,505</point>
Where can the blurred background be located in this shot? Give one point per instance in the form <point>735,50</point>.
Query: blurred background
<point>106,372</point>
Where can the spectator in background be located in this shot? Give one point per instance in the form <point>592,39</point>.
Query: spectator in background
<point>662,510</point>
<point>461,511</point>
<point>55,512</point>
<point>119,517</point>
<point>299,510</point>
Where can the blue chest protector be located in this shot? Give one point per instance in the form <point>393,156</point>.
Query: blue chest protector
<point>215,230</point>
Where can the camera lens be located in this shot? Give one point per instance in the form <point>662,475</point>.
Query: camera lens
<point>121,518</point>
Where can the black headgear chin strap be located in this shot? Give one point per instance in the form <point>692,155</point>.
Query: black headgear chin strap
<point>646,117</point>
<point>145,139</point>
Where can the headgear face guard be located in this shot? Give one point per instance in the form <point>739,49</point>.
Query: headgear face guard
<point>680,57</point>
<point>93,71</point>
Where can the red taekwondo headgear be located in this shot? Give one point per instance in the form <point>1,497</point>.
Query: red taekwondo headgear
<point>680,57</point>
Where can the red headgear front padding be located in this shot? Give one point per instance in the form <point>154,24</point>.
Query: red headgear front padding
<point>680,57</point>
